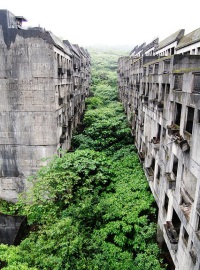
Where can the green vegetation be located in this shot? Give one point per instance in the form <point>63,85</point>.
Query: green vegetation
<point>91,208</point>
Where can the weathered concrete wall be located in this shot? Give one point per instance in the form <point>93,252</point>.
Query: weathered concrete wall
<point>27,110</point>
<point>41,102</point>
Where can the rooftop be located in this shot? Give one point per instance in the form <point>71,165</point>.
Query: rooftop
<point>190,38</point>
<point>174,37</point>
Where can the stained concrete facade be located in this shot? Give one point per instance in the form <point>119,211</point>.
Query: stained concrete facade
<point>161,97</point>
<point>43,85</point>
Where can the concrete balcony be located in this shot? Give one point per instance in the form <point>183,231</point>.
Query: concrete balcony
<point>186,209</point>
<point>173,129</point>
<point>187,202</point>
<point>171,180</point>
<point>184,145</point>
<point>171,235</point>
<point>155,143</point>
<point>149,173</point>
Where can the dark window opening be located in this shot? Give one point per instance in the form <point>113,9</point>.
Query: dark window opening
<point>150,69</point>
<point>150,86</point>
<point>198,117</point>
<point>164,132</point>
<point>175,166</point>
<point>190,118</point>
<point>59,118</point>
<point>69,128</point>
<point>159,132</point>
<point>196,85</point>
<point>167,88</point>
<point>166,202</point>
<point>176,222</point>
<point>158,173</point>
<point>60,101</point>
<point>198,50</point>
<point>178,82</point>
<point>143,90</point>
<point>147,92</point>
<point>166,66</point>
<point>163,88</point>
<point>178,114</point>
<point>156,68</point>
<point>156,89</point>
<point>185,236</point>
<point>153,164</point>
<point>198,223</point>
<point>172,51</point>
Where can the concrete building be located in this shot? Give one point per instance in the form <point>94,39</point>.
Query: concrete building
<point>43,85</point>
<point>161,96</point>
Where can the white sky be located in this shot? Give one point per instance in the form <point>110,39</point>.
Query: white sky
<point>109,22</point>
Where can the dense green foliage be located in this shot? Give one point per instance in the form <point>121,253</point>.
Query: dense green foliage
<point>91,208</point>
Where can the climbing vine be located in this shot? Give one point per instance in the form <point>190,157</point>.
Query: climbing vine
<point>91,208</point>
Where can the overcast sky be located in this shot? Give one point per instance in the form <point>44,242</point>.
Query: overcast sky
<point>109,22</point>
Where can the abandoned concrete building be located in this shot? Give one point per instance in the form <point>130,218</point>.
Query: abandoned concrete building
<point>43,85</point>
<point>159,86</point>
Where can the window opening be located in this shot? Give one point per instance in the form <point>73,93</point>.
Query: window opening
<point>178,82</point>
<point>185,236</point>
<point>198,116</point>
<point>167,88</point>
<point>190,118</point>
<point>196,85</point>
<point>166,203</point>
<point>175,166</point>
<point>156,68</point>
<point>178,114</point>
<point>176,222</point>
<point>166,66</point>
